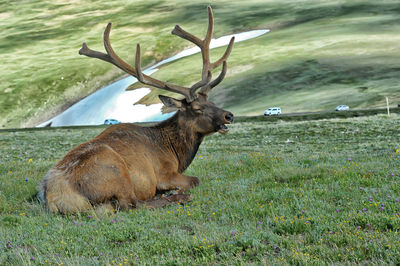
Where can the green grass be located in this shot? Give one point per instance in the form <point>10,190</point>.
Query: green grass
<point>316,57</point>
<point>284,192</point>
<point>316,115</point>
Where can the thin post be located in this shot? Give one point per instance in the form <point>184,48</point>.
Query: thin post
<point>387,105</point>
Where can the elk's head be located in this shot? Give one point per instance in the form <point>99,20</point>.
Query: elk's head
<point>203,116</point>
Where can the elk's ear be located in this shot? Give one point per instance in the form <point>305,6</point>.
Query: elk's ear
<point>171,103</point>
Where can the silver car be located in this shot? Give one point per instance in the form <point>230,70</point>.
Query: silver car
<point>342,108</point>
<point>111,121</point>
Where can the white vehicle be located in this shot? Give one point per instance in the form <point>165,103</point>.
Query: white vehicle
<point>273,111</point>
<point>342,108</point>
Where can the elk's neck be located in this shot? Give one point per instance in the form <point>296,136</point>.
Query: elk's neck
<point>180,138</point>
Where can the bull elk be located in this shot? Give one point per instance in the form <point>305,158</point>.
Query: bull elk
<point>127,165</point>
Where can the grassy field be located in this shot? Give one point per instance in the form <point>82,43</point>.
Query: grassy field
<point>283,192</point>
<point>317,55</point>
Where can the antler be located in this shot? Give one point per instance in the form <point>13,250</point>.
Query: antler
<point>189,93</point>
<point>204,46</point>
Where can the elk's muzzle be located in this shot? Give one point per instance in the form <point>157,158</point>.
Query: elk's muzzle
<point>228,118</point>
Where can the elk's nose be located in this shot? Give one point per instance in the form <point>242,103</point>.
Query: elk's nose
<point>229,117</point>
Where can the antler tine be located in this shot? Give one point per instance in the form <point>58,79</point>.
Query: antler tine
<point>116,60</point>
<point>210,28</point>
<point>206,89</point>
<point>110,57</point>
<point>206,44</point>
<point>85,50</point>
<point>225,55</point>
<point>178,31</point>
<point>139,74</point>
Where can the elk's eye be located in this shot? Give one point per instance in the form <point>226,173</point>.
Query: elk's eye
<point>198,110</point>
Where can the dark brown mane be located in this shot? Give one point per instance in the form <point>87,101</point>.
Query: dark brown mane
<point>183,141</point>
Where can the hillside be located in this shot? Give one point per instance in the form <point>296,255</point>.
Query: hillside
<point>317,55</point>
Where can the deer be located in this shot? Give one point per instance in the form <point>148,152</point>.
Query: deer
<point>128,165</point>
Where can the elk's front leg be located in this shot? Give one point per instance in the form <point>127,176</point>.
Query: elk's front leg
<point>179,182</point>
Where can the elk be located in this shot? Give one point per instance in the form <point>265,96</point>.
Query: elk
<point>128,165</point>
